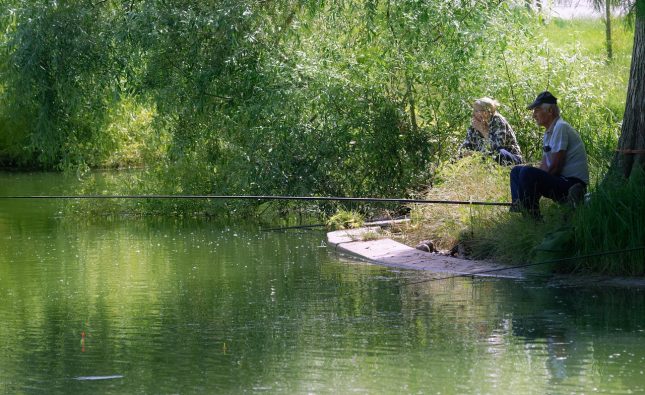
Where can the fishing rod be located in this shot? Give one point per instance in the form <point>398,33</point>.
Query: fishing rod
<point>294,227</point>
<point>258,198</point>
<point>597,254</point>
<point>311,226</point>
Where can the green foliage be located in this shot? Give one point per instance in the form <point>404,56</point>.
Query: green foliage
<point>291,97</point>
<point>53,56</point>
<point>133,139</point>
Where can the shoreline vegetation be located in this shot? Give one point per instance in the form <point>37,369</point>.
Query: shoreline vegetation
<point>333,99</point>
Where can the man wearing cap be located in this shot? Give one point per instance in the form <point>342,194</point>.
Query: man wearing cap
<point>564,162</point>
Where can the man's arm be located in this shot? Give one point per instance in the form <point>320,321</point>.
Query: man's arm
<point>543,165</point>
<point>558,156</point>
<point>557,163</point>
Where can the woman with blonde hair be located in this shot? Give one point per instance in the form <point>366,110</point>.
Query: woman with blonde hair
<point>491,134</point>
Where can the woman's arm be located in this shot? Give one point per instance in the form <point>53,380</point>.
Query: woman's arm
<point>471,141</point>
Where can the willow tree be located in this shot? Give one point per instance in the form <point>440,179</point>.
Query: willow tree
<point>305,97</point>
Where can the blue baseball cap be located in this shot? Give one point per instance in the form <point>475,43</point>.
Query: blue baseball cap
<point>543,98</point>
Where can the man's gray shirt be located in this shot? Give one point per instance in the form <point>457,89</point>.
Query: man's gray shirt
<point>561,136</point>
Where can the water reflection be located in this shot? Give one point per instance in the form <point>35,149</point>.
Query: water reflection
<point>524,335</point>
<point>192,306</point>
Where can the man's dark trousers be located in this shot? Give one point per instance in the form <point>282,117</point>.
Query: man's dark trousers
<point>529,183</point>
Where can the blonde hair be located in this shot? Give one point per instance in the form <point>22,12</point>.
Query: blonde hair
<point>487,103</point>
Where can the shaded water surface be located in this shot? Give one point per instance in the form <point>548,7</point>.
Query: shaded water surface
<point>164,306</point>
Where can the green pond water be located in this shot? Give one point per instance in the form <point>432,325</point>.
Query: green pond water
<point>167,306</point>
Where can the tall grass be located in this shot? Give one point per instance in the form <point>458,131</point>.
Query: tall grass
<point>612,220</point>
<point>471,178</point>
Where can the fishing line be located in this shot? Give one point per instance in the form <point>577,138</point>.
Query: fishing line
<point>627,250</point>
<point>259,198</point>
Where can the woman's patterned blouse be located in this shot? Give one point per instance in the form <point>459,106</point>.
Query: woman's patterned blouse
<point>501,136</point>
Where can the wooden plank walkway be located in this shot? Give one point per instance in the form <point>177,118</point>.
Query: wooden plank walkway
<point>388,252</point>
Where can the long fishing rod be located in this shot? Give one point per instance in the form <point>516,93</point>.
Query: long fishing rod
<point>310,226</point>
<point>294,227</point>
<point>260,198</point>
<point>627,250</point>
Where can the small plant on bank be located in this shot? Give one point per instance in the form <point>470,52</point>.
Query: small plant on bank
<point>371,235</point>
<point>345,220</point>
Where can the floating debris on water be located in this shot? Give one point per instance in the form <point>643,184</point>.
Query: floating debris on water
<point>93,378</point>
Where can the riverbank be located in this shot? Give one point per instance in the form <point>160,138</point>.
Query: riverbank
<point>364,244</point>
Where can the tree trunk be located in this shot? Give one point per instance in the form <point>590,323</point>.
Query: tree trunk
<point>529,5</point>
<point>608,29</point>
<point>406,73</point>
<point>631,145</point>
<point>411,102</point>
